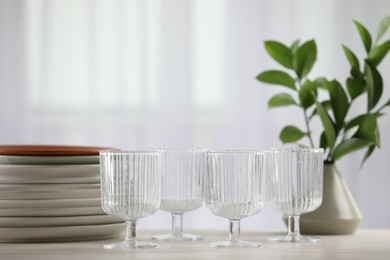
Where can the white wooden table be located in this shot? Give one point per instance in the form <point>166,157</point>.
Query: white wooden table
<point>364,244</point>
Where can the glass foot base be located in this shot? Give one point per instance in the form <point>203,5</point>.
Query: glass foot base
<point>238,244</point>
<point>129,244</point>
<point>295,239</point>
<point>178,237</point>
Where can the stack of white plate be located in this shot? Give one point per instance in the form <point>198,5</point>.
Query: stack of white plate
<point>52,193</point>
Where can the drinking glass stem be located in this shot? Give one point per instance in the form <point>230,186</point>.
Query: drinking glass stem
<point>177,224</point>
<point>131,231</point>
<point>293,227</point>
<point>234,231</point>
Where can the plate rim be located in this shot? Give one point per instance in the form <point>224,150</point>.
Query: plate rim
<point>52,212</point>
<point>48,160</point>
<point>51,150</point>
<point>27,222</point>
<point>61,233</point>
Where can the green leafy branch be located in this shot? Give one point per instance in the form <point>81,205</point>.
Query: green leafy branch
<point>341,135</point>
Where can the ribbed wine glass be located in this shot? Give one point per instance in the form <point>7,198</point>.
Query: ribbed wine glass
<point>294,186</point>
<point>130,187</point>
<point>234,190</point>
<point>182,172</point>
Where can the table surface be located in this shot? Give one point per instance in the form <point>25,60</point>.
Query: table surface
<point>364,244</point>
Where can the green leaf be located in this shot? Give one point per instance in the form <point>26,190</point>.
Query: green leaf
<point>321,82</point>
<point>374,85</point>
<point>364,127</point>
<point>378,137</point>
<point>364,35</point>
<point>326,104</point>
<point>350,132</point>
<point>359,119</point>
<point>277,77</point>
<point>280,53</point>
<point>323,141</point>
<point>294,47</point>
<point>368,129</point>
<point>356,74</point>
<point>368,153</point>
<point>351,57</point>
<point>377,54</point>
<point>304,59</point>
<point>355,87</point>
<point>348,146</point>
<point>282,99</point>
<point>355,121</point>
<point>383,26</point>
<point>306,94</point>
<point>339,102</point>
<point>291,134</point>
<point>327,123</point>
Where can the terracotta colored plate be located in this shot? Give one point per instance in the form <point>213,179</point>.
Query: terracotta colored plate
<point>51,150</point>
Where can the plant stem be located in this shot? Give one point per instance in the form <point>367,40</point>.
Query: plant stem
<point>382,107</point>
<point>307,120</point>
<point>329,158</point>
<point>308,128</point>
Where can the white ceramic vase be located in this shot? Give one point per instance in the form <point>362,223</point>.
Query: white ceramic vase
<point>338,213</point>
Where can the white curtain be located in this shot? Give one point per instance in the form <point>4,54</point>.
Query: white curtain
<point>137,74</point>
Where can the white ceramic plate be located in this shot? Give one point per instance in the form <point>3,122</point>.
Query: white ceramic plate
<point>24,174</point>
<point>50,203</point>
<point>18,159</point>
<point>52,212</point>
<point>60,194</point>
<point>58,221</point>
<point>55,234</point>
<point>48,186</point>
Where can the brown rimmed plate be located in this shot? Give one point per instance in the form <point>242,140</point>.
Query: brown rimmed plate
<point>51,150</point>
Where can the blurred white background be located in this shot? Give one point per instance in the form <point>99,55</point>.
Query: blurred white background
<point>137,74</point>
